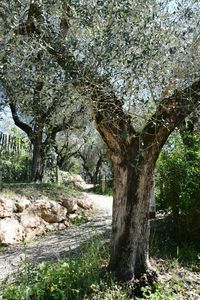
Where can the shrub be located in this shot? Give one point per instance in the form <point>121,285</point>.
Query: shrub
<point>179,185</point>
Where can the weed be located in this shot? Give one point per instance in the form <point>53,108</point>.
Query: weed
<point>160,293</point>
<point>74,278</point>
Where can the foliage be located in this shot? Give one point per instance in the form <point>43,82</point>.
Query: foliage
<point>97,189</point>
<point>40,100</point>
<point>160,293</point>
<point>15,168</point>
<point>15,164</point>
<point>164,245</point>
<point>179,184</point>
<point>119,41</point>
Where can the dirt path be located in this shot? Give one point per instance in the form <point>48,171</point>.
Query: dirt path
<point>102,203</point>
<point>58,245</point>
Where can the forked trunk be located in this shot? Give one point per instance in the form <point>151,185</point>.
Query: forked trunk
<point>130,227</point>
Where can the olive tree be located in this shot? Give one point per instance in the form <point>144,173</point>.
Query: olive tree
<point>92,155</point>
<point>137,64</point>
<point>40,102</point>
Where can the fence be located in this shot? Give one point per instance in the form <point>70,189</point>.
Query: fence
<point>15,158</point>
<point>14,144</point>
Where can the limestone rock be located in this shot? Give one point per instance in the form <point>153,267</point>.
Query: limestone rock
<point>22,204</point>
<point>66,223</point>
<point>50,211</point>
<point>85,203</point>
<point>70,203</point>
<point>73,216</point>
<point>33,225</point>
<point>6,207</point>
<point>11,231</point>
<point>77,181</point>
<point>55,226</point>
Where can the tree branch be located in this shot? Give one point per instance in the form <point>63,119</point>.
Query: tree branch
<point>111,120</point>
<point>25,127</point>
<point>170,113</point>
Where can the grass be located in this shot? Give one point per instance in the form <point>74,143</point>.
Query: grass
<point>79,278</point>
<point>163,244</point>
<point>50,190</point>
<point>2,249</point>
<point>74,278</point>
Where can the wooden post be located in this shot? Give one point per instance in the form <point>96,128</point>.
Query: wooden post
<point>103,184</point>
<point>57,175</point>
<point>57,171</point>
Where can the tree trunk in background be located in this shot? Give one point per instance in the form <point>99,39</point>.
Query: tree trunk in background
<point>39,159</point>
<point>94,178</point>
<point>130,227</point>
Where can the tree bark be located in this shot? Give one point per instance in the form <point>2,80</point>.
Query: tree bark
<point>39,159</point>
<point>130,224</point>
<point>94,178</point>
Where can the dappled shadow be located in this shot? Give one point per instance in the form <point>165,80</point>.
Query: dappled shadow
<point>67,242</point>
<point>54,246</point>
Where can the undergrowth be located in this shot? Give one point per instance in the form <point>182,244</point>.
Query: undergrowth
<point>50,190</point>
<point>74,278</point>
<point>79,278</point>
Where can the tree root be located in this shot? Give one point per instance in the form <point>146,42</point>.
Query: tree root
<point>146,282</point>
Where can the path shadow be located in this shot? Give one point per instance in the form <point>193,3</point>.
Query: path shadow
<point>52,247</point>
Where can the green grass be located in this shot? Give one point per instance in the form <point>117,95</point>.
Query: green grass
<point>74,278</point>
<point>163,244</point>
<point>50,190</point>
<point>2,249</point>
<point>79,278</point>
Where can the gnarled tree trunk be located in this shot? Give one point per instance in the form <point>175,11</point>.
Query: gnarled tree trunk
<point>130,227</point>
<point>134,156</point>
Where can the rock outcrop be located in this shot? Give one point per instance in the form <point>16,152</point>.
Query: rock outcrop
<point>11,231</point>
<point>23,219</point>
<point>6,207</point>
<point>70,203</point>
<point>49,211</point>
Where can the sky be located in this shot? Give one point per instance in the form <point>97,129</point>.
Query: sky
<point>6,121</point>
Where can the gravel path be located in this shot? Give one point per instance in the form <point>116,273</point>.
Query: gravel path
<point>58,245</point>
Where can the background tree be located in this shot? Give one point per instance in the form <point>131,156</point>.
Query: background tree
<point>92,155</point>
<point>81,147</point>
<point>38,99</point>
<point>138,65</point>
<point>67,145</point>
